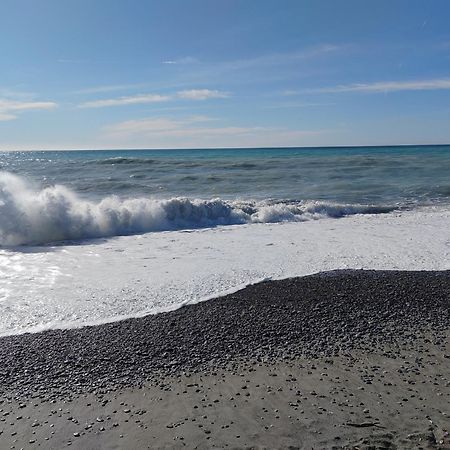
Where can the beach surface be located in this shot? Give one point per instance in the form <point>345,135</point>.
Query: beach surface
<point>344,359</point>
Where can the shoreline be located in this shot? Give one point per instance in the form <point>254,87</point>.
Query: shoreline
<point>316,315</point>
<point>305,347</point>
<point>125,276</point>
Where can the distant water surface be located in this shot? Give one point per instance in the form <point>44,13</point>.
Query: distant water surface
<point>56,195</point>
<point>399,175</point>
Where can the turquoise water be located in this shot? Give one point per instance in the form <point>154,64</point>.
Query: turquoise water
<point>53,196</point>
<point>364,175</point>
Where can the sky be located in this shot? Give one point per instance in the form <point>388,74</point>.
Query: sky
<point>93,74</point>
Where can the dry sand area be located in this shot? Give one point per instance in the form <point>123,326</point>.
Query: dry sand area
<point>353,359</point>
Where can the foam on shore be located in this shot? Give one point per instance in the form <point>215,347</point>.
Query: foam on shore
<point>109,279</point>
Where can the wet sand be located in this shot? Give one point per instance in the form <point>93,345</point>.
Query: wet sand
<point>348,359</point>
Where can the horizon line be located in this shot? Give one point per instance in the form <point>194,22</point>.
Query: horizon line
<point>316,147</point>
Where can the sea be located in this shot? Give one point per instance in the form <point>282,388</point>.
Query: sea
<point>88,237</point>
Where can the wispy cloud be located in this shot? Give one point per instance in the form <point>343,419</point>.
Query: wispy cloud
<point>282,58</point>
<point>5,117</point>
<point>71,61</point>
<point>381,87</point>
<point>392,86</point>
<point>127,100</point>
<point>110,88</point>
<point>298,105</point>
<point>201,94</point>
<point>16,94</point>
<point>152,126</point>
<point>203,71</point>
<point>185,60</point>
<point>192,94</point>
<point>263,67</point>
<point>162,132</point>
<point>10,108</point>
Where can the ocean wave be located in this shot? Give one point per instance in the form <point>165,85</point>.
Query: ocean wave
<point>124,160</point>
<point>40,216</point>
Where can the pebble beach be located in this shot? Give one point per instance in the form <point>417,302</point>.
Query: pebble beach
<point>343,359</point>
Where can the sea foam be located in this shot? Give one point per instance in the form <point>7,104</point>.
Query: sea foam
<point>30,216</point>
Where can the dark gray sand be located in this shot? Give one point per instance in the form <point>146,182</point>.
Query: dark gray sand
<point>350,359</point>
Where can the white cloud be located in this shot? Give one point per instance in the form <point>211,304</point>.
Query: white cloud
<point>201,94</point>
<point>11,105</point>
<point>10,108</point>
<point>5,117</point>
<point>168,127</point>
<point>185,60</point>
<point>195,132</point>
<point>382,87</point>
<point>392,86</point>
<point>193,94</point>
<point>128,100</point>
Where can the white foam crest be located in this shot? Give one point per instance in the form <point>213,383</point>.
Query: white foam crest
<point>38,216</point>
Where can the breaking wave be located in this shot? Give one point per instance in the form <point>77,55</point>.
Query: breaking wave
<point>31,216</point>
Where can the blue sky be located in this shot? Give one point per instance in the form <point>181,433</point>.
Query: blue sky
<point>223,73</point>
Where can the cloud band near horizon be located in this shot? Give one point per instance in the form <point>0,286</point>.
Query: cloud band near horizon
<point>10,108</point>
